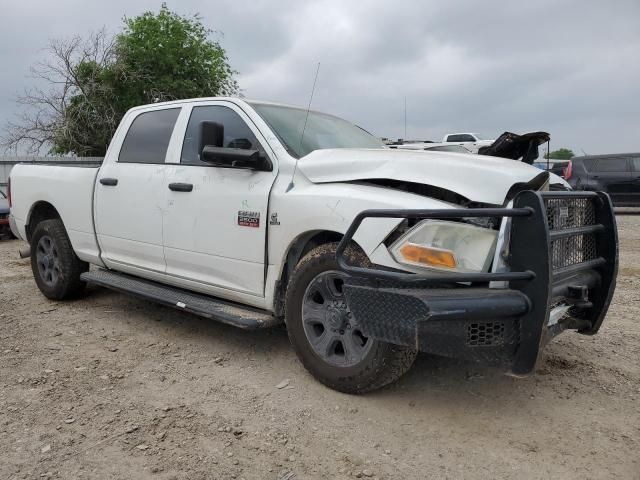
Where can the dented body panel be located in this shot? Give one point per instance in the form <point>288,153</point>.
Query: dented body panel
<point>485,180</point>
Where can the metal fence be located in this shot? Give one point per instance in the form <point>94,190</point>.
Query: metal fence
<point>7,163</point>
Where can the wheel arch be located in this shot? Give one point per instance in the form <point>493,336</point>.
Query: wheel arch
<point>40,211</point>
<point>297,249</point>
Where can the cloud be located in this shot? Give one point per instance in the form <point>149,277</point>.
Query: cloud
<point>568,67</point>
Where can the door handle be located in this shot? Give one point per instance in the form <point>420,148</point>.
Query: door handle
<point>110,182</point>
<point>181,187</point>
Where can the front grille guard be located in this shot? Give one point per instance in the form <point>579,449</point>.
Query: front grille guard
<point>541,230</point>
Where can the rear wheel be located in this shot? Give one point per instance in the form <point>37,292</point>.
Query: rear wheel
<point>56,268</point>
<point>327,337</point>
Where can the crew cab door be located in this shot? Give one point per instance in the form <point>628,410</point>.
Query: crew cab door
<point>130,194</point>
<point>216,218</point>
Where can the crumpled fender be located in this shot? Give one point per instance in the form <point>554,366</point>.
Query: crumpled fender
<point>478,178</point>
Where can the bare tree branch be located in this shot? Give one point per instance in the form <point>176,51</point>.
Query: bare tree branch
<point>67,78</point>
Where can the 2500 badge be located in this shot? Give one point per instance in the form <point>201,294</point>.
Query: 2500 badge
<point>248,219</point>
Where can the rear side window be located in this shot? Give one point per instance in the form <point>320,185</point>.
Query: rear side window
<point>612,165</point>
<point>148,137</point>
<point>635,164</point>
<point>235,134</point>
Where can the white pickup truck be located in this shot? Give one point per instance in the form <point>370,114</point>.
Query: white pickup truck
<point>255,214</point>
<point>470,141</point>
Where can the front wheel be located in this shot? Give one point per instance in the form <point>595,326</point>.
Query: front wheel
<point>327,338</point>
<point>55,266</point>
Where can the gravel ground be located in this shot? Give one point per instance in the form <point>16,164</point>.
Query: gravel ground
<point>114,387</point>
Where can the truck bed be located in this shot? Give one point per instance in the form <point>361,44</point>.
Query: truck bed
<point>69,189</point>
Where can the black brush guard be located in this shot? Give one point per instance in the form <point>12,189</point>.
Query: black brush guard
<point>562,250</point>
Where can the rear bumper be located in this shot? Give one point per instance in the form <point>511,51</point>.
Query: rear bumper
<point>562,258</point>
<point>14,226</point>
<point>4,224</point>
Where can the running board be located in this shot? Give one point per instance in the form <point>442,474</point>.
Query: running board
<point>240,316</point>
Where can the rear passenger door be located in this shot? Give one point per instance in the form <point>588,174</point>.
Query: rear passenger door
<point>613,176</point>
<point>130,194</point>
<point>215,233</point>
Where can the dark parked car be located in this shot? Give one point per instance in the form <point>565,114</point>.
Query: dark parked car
<point>4,215</point>
<point>617,174</point>
<point>559,167</point>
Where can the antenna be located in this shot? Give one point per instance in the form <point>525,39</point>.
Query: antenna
<point>313,89</point>
<point>405,117</point>
<point>548,152</point>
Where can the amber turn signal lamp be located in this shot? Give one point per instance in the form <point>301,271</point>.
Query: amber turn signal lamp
<point>434,257</point>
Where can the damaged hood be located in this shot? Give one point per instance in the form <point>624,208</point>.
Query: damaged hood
<point>477,178</point>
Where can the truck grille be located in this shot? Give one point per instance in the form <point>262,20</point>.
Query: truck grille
<point>487,334</point>
<point>568,213</point>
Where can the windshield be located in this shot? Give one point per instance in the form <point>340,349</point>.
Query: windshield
<point>479,137</point>
<point>322,130</point>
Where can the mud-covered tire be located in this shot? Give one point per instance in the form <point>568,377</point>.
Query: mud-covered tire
<point>383,363</point>
<point>56,268</point>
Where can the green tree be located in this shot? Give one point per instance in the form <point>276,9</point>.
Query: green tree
<point>92,82</point>
<point>561,154</point>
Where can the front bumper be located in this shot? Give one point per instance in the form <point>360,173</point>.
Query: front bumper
<point>562,257</point>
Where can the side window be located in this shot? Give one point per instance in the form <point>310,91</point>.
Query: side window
<point>612,165</point>
<point>461,138</point>
<point>148,137</point>
<point>235,133</point>
<point>589,164</point>
<point>635,164</point>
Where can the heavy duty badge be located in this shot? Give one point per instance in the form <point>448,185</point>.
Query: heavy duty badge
<point>274,219</point>
<point>248,219</point>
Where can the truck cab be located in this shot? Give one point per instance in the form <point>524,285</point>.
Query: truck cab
<point>159,207</point>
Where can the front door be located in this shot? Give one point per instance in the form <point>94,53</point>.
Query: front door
<point>215,233</point>
<point>130,193</point>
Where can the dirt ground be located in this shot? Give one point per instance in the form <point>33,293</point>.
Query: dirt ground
<point>114,387</point>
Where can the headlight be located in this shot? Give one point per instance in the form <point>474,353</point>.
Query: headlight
<point>441,245</point>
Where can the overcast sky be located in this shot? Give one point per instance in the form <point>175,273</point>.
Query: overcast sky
<point>571,68</point>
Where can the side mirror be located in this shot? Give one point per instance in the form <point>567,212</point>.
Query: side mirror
<point>238,154</point>
<point>211,133</point>
<point>235,158</point>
